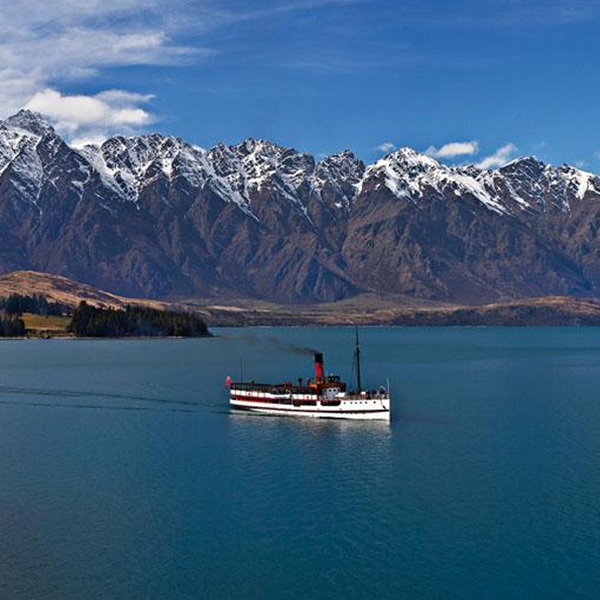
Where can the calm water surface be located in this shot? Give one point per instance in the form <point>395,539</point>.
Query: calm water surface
<point>123,475</point>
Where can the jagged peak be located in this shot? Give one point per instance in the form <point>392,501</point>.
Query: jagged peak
<point>345,164</point>
<point>260,154</point>
<point>567,168</point>
<point>30,121</point>
<point>252,142</point>
<point>409,158</point>
<point>470,170</point>
<point>524,162</point>
<point>147,139</point>
<point>261,147</point>
<point>128,163</point>
<point>219,147</point>
<point>345,156</point>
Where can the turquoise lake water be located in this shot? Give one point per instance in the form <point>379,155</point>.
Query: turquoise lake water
<point>124,476</point>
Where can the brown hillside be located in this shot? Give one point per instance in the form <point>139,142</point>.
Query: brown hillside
<point>64,290</point>
<point>364,310</point>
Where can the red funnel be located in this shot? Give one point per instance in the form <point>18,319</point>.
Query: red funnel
<point>319,367</point>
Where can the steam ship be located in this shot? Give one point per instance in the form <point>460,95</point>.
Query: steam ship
<point>325,397</point>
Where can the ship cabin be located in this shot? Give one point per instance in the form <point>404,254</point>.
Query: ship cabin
<point>326,387</point>
<point>322,387</point>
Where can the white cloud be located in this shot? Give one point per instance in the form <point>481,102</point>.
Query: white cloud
<point>386,147</point>
<point>122,98</point>
<point>92,117</point>
<point>597,155</point>
<point>45,44</point>
<point>503,155</point>
<point>48,44</point>
<point>454,149</point>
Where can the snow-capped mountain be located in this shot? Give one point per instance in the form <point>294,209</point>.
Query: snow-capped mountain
<point>127,165</point>
<point>523,184</point>
<point>410,175</point>
<point>540,187</point>
<point>157,216</point>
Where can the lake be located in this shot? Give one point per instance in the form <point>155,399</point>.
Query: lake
<point>124,476</point>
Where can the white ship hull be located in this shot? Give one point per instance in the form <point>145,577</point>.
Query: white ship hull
<point>360,408</point>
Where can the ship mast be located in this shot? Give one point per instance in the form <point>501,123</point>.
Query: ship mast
<point>357,361</point>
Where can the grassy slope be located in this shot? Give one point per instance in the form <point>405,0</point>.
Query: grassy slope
<point>66,291</point>
<point>50,324</point>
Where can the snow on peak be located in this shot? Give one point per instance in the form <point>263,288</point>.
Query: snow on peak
<point>264,163</point>
<point>257,166</point>
<point>27,121</point>
<point>410,158</point>
<point>20,136</point>
<point>408,174</point>
<point>345,165</point>
<point>256,169</point>
<point>529,165</point>
<point>536,185</point>
<point>340,174</point>
<point>127,164</point>
<point>578,182</point>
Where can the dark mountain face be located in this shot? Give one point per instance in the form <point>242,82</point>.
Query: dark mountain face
<point>157,217</point>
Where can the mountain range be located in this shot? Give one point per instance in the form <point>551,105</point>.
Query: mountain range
<point>157,217</point>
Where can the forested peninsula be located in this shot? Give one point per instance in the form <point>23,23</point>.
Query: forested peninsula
<point>35,316</point>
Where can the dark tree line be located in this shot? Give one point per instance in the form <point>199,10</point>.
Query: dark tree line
<point>16,304</point>
<point>89,321</point>
<point>11,326</point>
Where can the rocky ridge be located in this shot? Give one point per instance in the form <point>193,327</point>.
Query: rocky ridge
<point>155,216</point>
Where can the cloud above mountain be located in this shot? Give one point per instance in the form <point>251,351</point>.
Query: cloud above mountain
<point>303,71</point>
<point>85,119</point>
<point>454,150</point>
<point>385,147</point>
<point>499,158</point>
<point>45,47</point>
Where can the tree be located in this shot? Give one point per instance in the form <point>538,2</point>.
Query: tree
<point>16,304</point>
<point>89,321</point>
<point>11,326</point>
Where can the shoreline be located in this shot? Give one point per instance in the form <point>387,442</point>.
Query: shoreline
<point>306,325</point>
<point>99,339</point>
<point>365,310</point>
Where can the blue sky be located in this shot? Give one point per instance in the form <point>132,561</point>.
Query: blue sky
<point>499,77</point>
